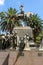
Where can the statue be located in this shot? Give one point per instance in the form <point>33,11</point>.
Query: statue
<point>21,48</point>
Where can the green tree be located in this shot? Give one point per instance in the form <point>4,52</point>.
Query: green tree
<point>2,15</point>
<point>35,23</point>
<point>8,20</point>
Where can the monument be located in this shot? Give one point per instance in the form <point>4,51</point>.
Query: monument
<point>23,28</point>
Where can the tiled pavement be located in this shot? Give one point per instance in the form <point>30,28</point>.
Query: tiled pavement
<point>3,57</point>
<point>29,58</point>
<point>32,57</point>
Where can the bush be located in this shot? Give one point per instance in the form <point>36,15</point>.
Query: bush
<point>38,38</point>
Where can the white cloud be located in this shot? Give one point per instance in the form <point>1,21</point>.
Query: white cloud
<point>2,2</point>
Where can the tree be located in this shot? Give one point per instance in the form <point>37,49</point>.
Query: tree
<point>2,15</point>
<point>35,23</point>
<point>8,20</point>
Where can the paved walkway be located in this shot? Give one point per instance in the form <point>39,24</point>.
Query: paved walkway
<point>3,58</point>
<point>29,58</point>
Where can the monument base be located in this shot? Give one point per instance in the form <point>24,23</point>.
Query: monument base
<point>41,49</point>
<point>27,49</point>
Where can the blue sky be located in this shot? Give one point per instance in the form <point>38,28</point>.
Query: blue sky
<point>35,6</point>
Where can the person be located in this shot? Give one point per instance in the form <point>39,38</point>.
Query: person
<point>21,48</point>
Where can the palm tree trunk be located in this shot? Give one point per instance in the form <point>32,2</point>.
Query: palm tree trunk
<point>34,35</point>
<point>10,29</point>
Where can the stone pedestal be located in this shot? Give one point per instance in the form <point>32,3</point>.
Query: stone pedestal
<point>27,45</point>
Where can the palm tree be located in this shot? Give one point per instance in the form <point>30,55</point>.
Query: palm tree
<point>8,20</point>
<point>2,15</point>
<point>35,22</point>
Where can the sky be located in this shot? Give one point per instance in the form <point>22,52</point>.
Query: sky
<point>35,6</point>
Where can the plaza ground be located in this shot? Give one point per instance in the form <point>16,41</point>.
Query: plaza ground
<point>30,57</point>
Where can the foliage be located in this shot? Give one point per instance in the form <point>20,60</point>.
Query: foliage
<point>2,15</point>
<point>38,38</point>
<point>35,23</point>
<point>8,20</point>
